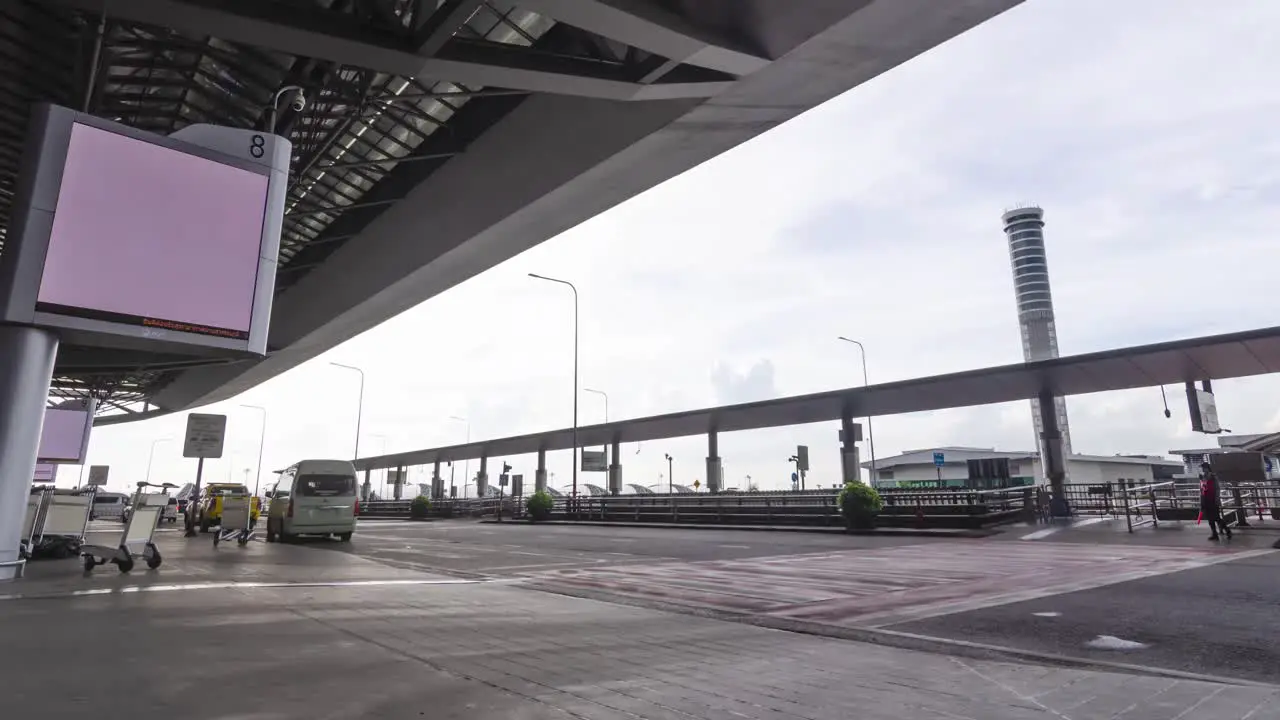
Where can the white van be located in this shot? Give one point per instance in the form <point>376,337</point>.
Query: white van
<point>109,506</point>
<point>314,497</point>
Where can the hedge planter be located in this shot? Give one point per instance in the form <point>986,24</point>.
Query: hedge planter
<point>420,508</point>
<point>539,506</point>
<point>859,506</point>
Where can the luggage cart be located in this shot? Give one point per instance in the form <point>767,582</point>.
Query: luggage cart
<point>236,521</point>
<point>62,524</point>
<point>147,509</point>
<point>36,504</point>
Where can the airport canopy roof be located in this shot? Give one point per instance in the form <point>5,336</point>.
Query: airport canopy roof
<point>1254,352</point>
<point>439,137</point>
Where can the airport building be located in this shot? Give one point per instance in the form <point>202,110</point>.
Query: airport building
<point>950,467</point>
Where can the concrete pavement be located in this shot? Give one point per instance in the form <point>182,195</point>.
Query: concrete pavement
<point>325,630</point>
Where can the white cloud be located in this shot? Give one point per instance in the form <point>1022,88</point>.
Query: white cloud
<point>1147,133</point>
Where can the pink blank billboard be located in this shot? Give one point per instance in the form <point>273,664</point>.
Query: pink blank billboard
<point>148,235</point>
<point>63,436</point>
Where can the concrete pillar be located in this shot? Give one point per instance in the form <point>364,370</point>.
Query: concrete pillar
<point>26,367</point>
<point>615,470</point>
<point>437,482</point>
<point>713,462</point>
<point>1054,464</point>
<point>367,487</point>
<point>397,488</point>
<point>482,477</point>
<point>850,460</point>
<point>540,475</point>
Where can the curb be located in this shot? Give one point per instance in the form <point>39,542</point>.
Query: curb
<point>882,532</point>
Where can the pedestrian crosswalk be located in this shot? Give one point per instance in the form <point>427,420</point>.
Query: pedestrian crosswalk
<point>878,587</point>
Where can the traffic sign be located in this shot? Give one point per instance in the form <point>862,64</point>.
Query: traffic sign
<point>205,436</point>
<point>802,458</point>
<point>939,459</point>
<point>98,475</point>
<point>696,484</point>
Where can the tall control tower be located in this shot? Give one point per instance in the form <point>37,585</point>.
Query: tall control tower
<point>1024,227</point>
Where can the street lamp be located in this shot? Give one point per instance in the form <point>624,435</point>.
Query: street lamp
<point>466,466</point>
<point>671,481</point>
<point>152,455</point>
<point>360,407</point>
<point>604,395</point>
<point>575,375</point>
<point>262,443</point>
<point>386,471</point>
<point>871,435</point>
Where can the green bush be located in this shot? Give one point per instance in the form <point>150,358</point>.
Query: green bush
<point>539,505</point>
<point>420,507</point>
<point>859,504</point>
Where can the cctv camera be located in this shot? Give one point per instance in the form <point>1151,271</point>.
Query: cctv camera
<point>299,101</point>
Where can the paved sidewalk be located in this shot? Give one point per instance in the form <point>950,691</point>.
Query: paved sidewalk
<point>489,650</point>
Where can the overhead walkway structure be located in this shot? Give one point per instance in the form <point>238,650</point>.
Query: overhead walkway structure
<point>1241,354</point>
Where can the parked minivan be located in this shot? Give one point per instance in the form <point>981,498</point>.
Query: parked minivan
<point>314,497</point>
<point>108,506</point>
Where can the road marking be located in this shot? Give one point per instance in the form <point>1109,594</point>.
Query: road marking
<point>1048,614</point>
<point>231,585</point>
<point>1046,532</point>
<point>736,547</point>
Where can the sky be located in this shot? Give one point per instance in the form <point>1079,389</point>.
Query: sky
<point>1148,135</point>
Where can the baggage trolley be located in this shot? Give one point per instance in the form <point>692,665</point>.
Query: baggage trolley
<point>137,533</point>
<point>36,505</point>
<point>63,523</point>
<point>237,520</point>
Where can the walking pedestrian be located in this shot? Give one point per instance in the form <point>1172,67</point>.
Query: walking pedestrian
<point>1211,502</point>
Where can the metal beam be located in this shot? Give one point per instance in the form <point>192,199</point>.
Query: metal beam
<point>325,36</point>
<point>439,26</point>
<point>643,24</point>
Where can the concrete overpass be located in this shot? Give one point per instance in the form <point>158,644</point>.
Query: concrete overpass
<point>440,137</point>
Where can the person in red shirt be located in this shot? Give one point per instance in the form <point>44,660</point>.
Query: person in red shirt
<point>1211,502</point>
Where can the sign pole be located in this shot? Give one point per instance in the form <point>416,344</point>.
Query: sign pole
<point>194,499</point>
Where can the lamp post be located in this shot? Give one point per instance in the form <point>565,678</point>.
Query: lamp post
<point>262,443</point>
<point>671,481</point>
<point>604,395</point>
<point>466,466</point>
<point>152,456</point>
<point>360,406</point>
<point>575,377</point>
<point>871,435</point>
<point>386,471</point>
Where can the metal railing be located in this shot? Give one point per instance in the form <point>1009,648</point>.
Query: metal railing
<point>902,508</point>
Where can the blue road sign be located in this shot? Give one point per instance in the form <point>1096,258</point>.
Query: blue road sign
<point>939,459</point>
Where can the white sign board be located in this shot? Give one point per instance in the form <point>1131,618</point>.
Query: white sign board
<point>205,436</point>
<point>98,475</point>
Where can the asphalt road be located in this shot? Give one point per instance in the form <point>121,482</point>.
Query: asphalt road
<point>468,547</point>
<point>1220,620</point>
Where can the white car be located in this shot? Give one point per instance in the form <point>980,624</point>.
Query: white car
<point>109,506</point>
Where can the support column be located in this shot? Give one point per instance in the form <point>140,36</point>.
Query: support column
<point>367,487</point>
<point>540,475</point>
<point>437,483</point>
<point>1051,459</point>
<point>615,470</point>
<point>482,477</point>
<point>397,487</point>
<point>713,462</point>
<point>850,460</point>
<point>26,367</point>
